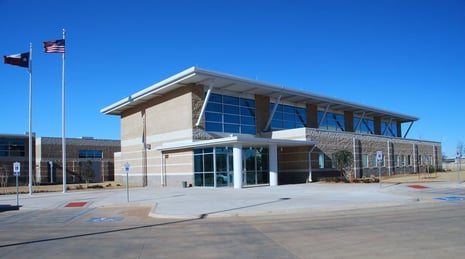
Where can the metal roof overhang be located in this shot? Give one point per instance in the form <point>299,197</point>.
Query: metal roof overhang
<point>245,141</point>
<point>226,82</point>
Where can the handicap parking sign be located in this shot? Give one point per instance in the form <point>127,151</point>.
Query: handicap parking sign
<point>16,168</point>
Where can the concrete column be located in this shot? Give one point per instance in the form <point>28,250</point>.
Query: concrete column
<point>310,166</point>
<point>415,159</point>
<point>389,158</point>
<point>237,161</point>
<point>273,164</point>
<point>358,158</point>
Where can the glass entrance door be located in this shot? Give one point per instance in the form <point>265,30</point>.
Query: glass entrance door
<point>214,167</point>
<point>224,167</point>
<point>256,166</point>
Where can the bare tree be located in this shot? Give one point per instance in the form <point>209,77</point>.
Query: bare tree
<point>460,149</point>
<point>344,164</point>
<point>3,176</point>
<point>88,172</point>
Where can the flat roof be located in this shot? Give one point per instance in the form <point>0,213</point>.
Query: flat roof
<point>196,75</point>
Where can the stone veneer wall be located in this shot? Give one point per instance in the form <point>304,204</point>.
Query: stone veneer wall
<point>329,142</point>
<point>293,165</point>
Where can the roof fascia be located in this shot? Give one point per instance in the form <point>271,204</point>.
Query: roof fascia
<point>193,71</point>
<point>150,90</point>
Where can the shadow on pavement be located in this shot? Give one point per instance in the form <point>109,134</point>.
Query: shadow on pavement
<point>202,216</point>
<point>8,207</point>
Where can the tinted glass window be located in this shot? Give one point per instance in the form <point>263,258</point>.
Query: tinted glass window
<point>230,114</point>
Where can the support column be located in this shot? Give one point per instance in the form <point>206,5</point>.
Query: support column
<point>273,164</point>
<point>356,155</point>
<point>237,161</point>
<point>309,180</point>
<point>389,158</point>
<point>415,159</point>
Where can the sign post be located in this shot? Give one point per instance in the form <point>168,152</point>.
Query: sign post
<point>379,159</point>
<point>126,169</point>
<point>16,172</point>
<point>457,159</point>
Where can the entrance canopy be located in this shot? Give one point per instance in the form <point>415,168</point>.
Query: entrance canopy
<point>248,141</point>
<point>239,142</point>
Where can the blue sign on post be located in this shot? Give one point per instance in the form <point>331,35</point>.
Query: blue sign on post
<point>379,158</point>
<point>16,172</point>
<point>459,163</point>
<point>126,169</point>
<point>16,168</point>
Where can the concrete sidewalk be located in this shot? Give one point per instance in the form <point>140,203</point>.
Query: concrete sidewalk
<point>220,202</point>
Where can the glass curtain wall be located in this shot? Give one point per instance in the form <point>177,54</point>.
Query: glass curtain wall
<point>288,117</point>
<point>213,167</point>
<point>203,167</point>
<point>230,114</point>
<point>388,129</point>
<point>366,126</point>
<point>331,121</point>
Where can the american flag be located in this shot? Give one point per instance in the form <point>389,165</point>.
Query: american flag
<point>54,46</point>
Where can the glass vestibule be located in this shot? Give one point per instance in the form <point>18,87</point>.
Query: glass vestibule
<point>256,166</point>
<point>213,167</point>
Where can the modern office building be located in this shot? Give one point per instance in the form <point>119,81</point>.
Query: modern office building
<point>207,128</point>
<point>81,154</point>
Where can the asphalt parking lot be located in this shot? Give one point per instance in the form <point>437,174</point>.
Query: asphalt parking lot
<point>417,220</point>
<point>293,221</point>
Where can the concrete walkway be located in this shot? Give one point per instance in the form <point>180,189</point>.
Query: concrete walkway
<point>170,202</point>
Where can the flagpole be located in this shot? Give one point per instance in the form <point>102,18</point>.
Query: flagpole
<point>63,138</point>
<point>30,119</point>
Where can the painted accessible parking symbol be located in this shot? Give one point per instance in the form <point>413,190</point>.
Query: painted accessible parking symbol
<point>451,198</point>
<point>105,219</point>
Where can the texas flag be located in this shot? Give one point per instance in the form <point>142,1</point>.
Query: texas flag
<point>21,60</point>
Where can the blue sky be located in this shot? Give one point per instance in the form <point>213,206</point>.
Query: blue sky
<point>403,56</point>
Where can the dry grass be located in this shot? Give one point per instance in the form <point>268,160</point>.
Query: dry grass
<point>424,177</point>
<point>59,187</point>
